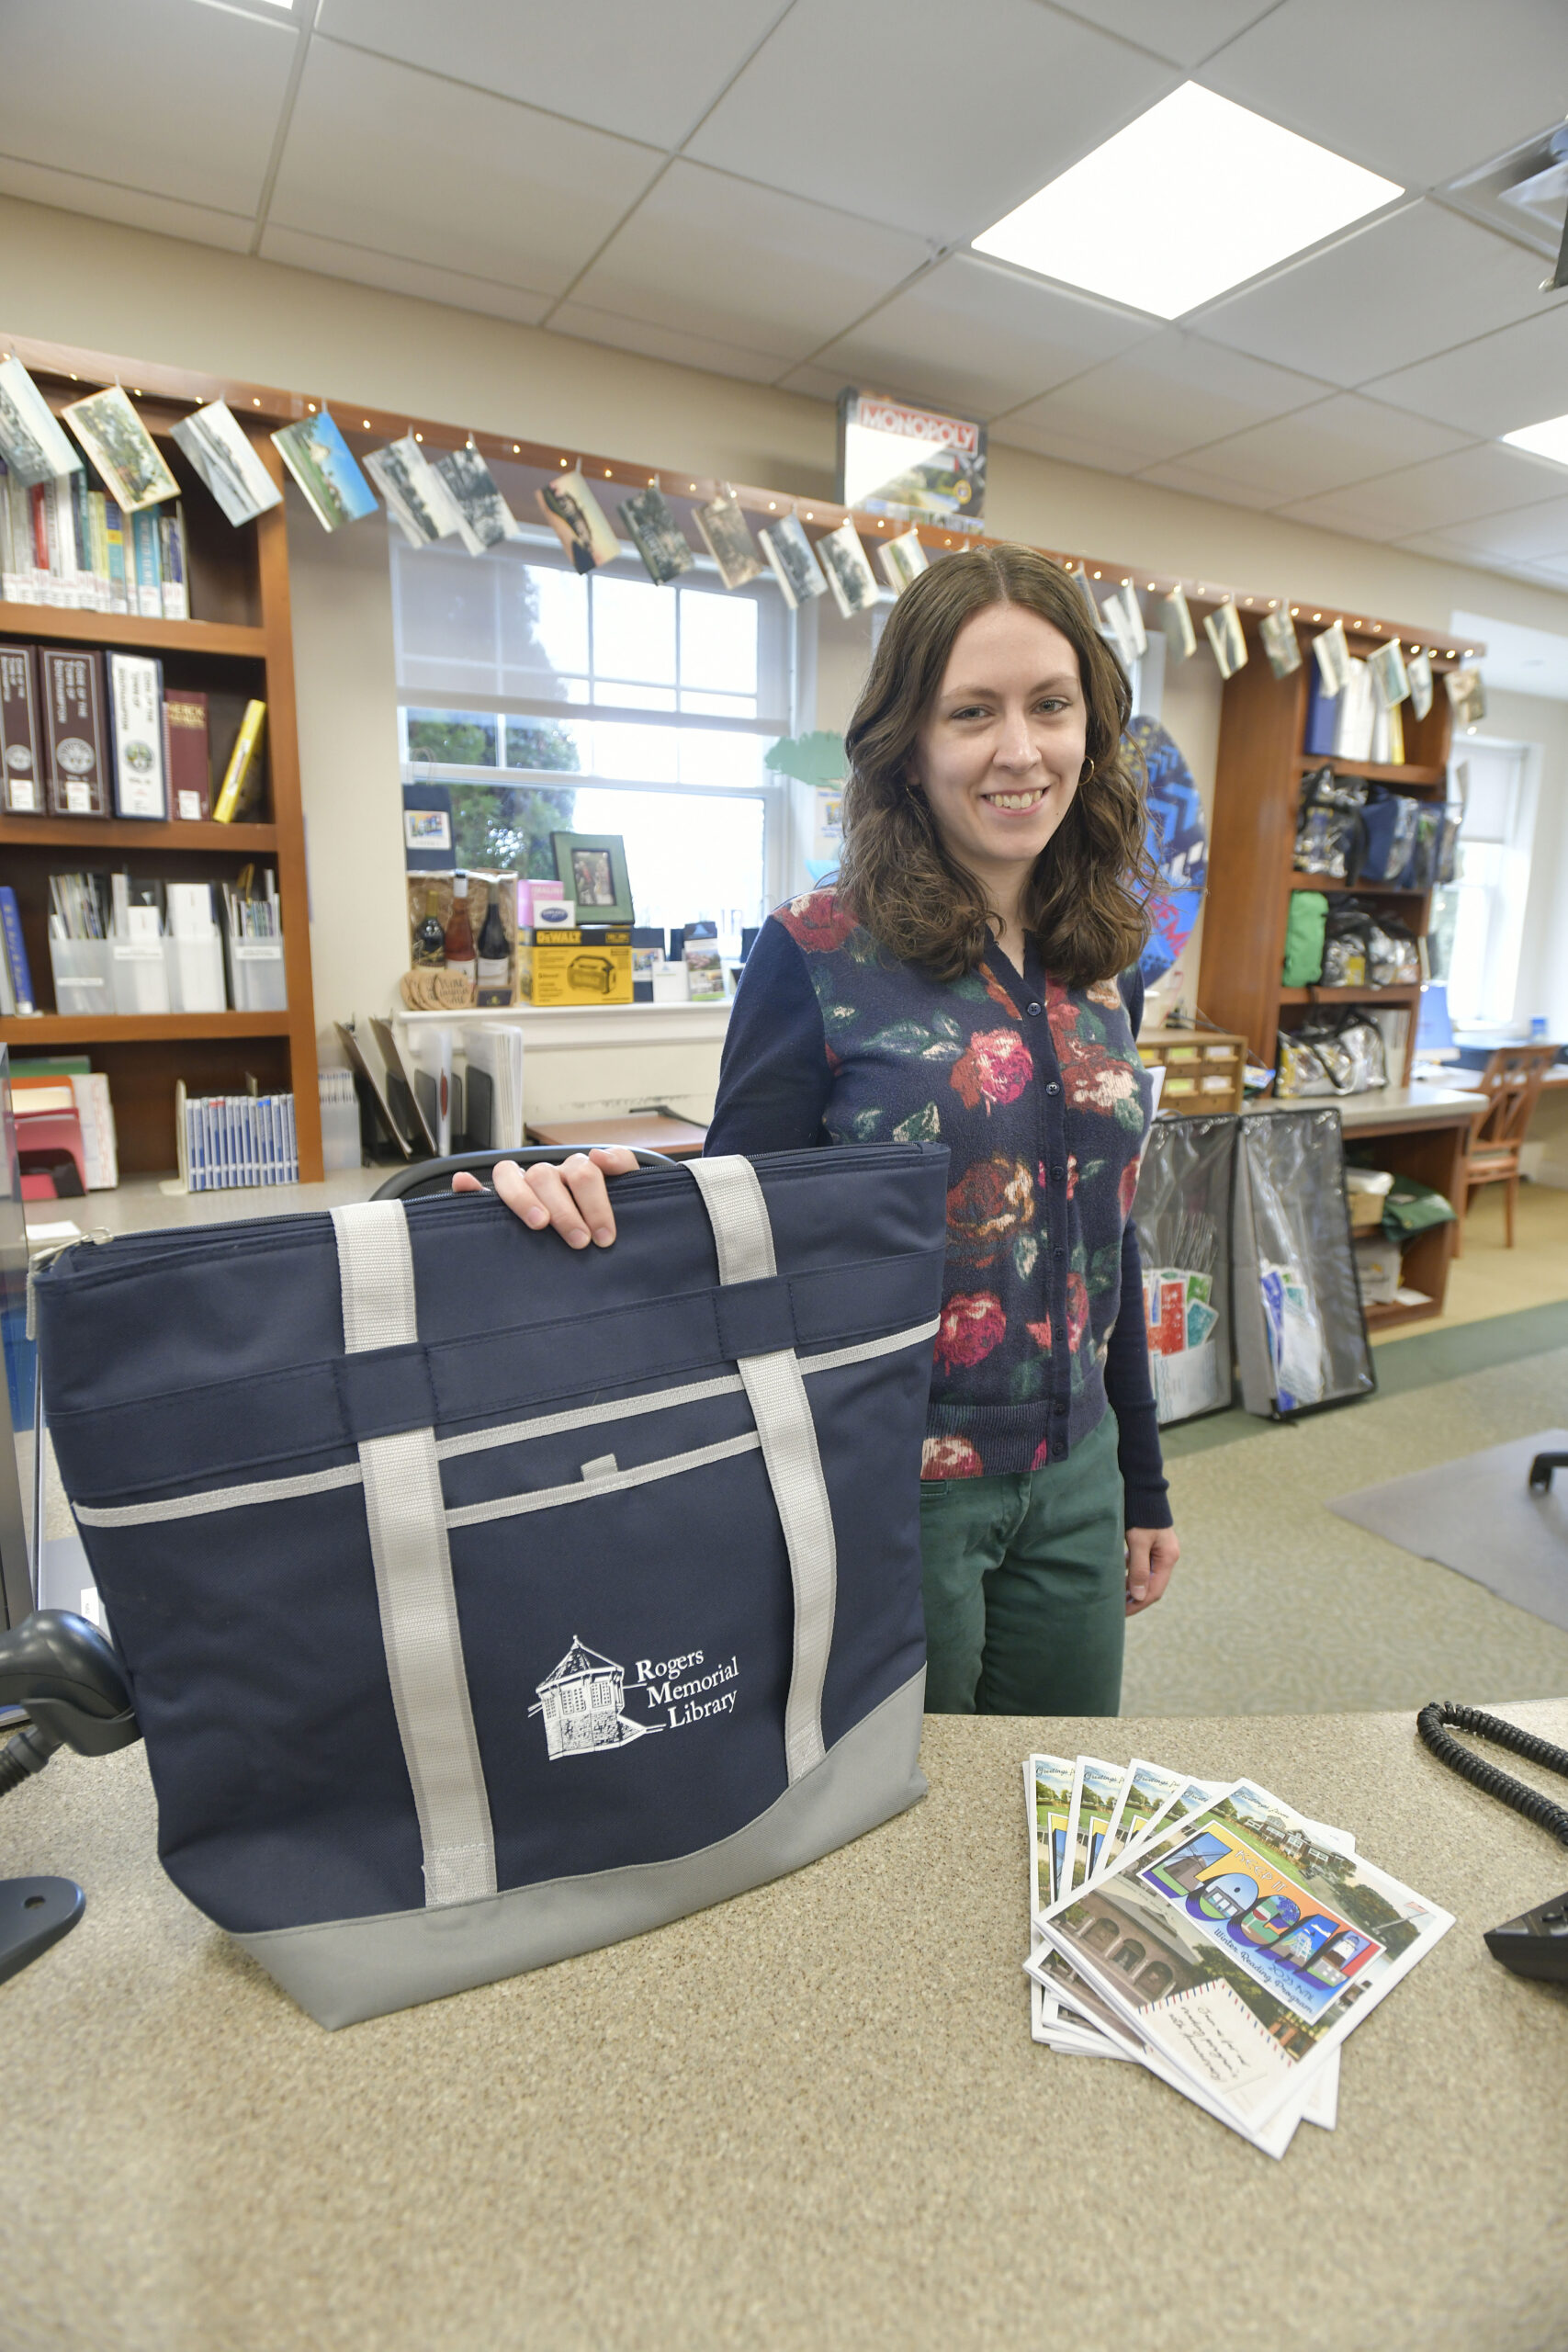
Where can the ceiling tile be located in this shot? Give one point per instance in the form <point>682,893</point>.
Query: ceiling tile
<point>1341,440</point>
<point>383,156</point>
<point>980,339</point>
<point>189,109</point>
<point>845,104</point>
<point>659,342</point>
<point>1516,377</point>
<point>1445,491</point>
<point>1528,535</point>
<point>1185,35</point>
<point>720,257</point>
<point>1411,284</point>
<point>70,193</point>
<point>330,258</point>
<point>814,383</point>
<point>647,73</point>
<point>1416,89</point>
<point>1174,391</point>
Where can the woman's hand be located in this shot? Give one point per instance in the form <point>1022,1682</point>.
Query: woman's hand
<point>1151,1552</point>
<point>572,1197</point>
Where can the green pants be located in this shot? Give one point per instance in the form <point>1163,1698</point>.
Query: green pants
<point>1025,1581</point>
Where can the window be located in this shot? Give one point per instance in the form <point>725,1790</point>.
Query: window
<point>550,702</point>
<point>1478,922</point>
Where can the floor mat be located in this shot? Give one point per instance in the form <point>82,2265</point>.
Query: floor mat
<point>1477,1515</point>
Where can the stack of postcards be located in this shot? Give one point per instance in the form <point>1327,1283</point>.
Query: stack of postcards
<point>1211,1932</point>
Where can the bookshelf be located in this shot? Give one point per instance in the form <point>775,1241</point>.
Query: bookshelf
<point>1252,876</point>
<point>237,644</point>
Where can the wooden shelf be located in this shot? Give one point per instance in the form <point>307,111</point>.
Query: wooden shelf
<point>138,1028</point>
<point>1383,1315</point>
<point>1295,881</point>
<point>90,833</point>
<point>1407,992</point>
<point>1375,772</point>
<point>131,631</point>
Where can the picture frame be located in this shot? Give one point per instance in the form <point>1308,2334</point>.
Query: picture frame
<point>592,870</point>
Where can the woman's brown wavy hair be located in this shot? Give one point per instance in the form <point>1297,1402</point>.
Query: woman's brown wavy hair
<point>1086,901</point>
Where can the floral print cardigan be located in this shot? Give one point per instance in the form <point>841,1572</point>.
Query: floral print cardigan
<point>1040,1097</point>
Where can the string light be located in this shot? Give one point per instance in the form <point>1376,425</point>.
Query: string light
<point>1295,612</point>
<point>773,505</point>
<point>517,449</point>
<point>607,473</point>
<point>653,481</point>
<point>1317,617</point>
<point>255,402</point>
<point>419,436</point>
<point>1151,587</point>
<point>1468,651</point>
<point>367,424</point>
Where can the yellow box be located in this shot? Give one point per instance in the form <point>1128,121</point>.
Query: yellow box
<point>590,966</point>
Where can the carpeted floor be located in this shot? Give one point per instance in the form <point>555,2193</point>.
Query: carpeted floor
<point>1279,1606</point>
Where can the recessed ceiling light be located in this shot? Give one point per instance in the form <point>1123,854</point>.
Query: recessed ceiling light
<point>1195,197</point>
<point>1548,440</point>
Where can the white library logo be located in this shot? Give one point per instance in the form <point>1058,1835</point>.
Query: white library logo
<point>584,1700</point>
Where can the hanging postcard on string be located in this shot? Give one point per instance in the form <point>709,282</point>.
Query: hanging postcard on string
<point>1389,675</point>
<point>1224,630</point>
<point>902,559</point>
<point>1113,625</point>
<point>1418,670</point>
<point>319,461</point>
<point>1467,696</point>
<point>794,564</point>
<point>122,450</point>
<point>1333,660</point>
<point>577,520</point>
<point>34,448</point>
<point>1277,632</point>
<point>222,454</point>
<point>416,497</point>
<point>650,523</point>
<point>1132,620</point>
<point>1180,636</point>
<point>729,540</point>
<point>484,516</point>
<point>849,576</point>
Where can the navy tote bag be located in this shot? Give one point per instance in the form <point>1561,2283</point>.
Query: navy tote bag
<point>482,1600</point>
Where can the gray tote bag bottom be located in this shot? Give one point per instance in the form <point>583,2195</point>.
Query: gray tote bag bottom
<point>343,1971</point>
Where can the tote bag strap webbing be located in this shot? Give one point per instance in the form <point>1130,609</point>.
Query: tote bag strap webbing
<point>413,1574</point>
<point>743,1237</point>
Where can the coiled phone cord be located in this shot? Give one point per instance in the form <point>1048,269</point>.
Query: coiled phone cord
<point>1470,1767</point>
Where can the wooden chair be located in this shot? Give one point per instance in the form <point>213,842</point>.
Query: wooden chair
<point>1511,1081</point>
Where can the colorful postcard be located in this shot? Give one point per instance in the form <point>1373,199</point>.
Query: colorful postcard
<point>850,575</point>
<point>34,448</point>
<point>1224,630</point>
<point>1146,1796</point>
<point>1096,1787</point>
<point>902,559</point>
<point>1333,660</point>
<point>122,450</point>
<point>1243,1950</point>
<point>650,523</point>
<point>729,540</point>
<point>322,463</point>
<point>484,518</point>
<point>414,494</point>
<point>1467,696</point>
<point>223,454</point>
<point>575,516</point>
<point>794,564</point>
<point>1278,631</point>
<point>1389,675</point>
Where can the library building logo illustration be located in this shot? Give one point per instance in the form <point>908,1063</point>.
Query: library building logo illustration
<point>585,1699</point>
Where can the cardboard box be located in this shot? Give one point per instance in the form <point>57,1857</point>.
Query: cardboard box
<point>590,966</point>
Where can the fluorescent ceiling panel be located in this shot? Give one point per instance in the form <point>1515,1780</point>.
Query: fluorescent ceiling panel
<point>1548,440</point>
<point>1193,198</point>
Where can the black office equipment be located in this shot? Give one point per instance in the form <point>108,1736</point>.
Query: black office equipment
<point>1536,1944</point>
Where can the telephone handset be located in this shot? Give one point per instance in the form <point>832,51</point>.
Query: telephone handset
<point>1536,1944</point>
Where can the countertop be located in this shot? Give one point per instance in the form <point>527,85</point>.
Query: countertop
<point>1383,1106</point>
<point>811,2118</point>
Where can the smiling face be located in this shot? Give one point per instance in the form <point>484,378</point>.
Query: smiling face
<point>999,753</point>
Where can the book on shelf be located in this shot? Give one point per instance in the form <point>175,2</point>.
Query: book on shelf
<point>136,735</point>
<point>66,545</point>
<point>240,793</point>
<point>71,689</point>
<point>230,1140</point>
<point>42,1086</point>
<point>187,755</point>
<point>21,736</point>
<point>18,976</point>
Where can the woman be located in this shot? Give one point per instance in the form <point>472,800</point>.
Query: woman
<point>958,985</point>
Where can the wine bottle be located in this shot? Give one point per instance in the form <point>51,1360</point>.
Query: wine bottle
<point>459,942</point>
<point>430,940</point>
<point>494,956</point>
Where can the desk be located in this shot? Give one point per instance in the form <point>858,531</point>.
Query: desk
<point>811,2120</point>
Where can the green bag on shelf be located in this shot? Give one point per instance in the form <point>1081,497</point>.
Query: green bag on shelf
<point>1304,928</point>
<point>1409,1207</point>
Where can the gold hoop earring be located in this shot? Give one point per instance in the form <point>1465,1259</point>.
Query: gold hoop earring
<point>1088,771</point>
